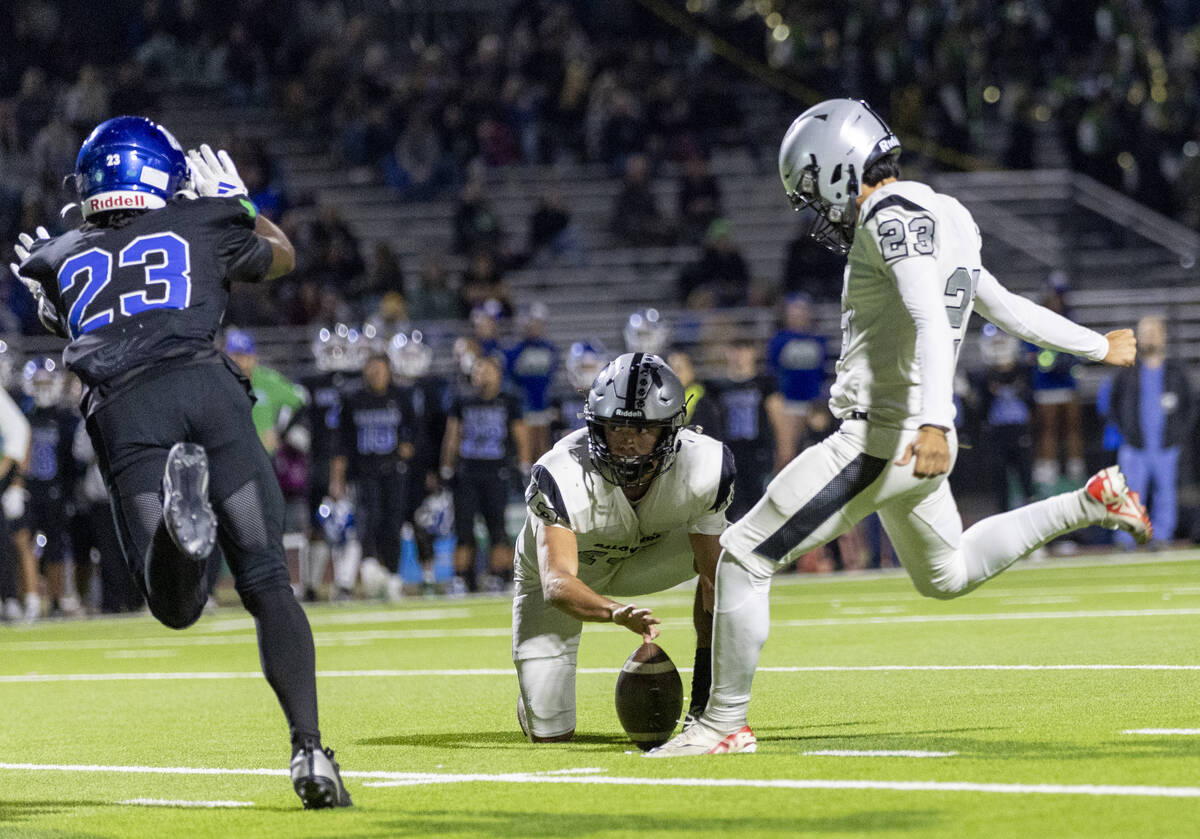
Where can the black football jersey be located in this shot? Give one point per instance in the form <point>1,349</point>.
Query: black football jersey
<point>372,427</point>
<point>151,290</point>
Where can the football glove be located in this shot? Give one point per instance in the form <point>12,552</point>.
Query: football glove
<point>46,312</point>
<point>213,174</point>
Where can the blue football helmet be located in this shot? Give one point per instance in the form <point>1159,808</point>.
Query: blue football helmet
<point>129,163</point>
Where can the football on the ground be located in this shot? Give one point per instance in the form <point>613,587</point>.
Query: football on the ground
<point>649,696</point>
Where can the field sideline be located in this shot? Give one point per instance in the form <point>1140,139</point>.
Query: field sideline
<point>1058,700</point>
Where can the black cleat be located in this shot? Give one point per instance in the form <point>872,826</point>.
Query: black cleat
<point>317,779</point>
<point>187,512</point>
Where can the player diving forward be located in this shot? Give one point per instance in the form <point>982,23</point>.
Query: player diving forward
<point>914,274</point>
<point>138,290</point>
<point>633,504</point>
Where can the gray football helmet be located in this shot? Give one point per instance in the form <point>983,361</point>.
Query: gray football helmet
<point>647,332</point>
<point>635,389</point>
<point>822,159</point>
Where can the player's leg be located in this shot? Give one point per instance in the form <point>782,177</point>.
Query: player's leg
<point>1165,512</point>
<point>545,651</point>
<point>821,494</point>
<point>493,502</point>
<point>466,505</point>
<point>250,509</point>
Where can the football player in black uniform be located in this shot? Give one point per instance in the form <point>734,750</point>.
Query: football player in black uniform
<point>138,289</point>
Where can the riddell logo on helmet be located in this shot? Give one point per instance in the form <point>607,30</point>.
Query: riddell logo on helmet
<point>624,412</point>
<point>117,201</point>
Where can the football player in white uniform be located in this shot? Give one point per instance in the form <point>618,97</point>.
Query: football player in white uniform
<point>913,277</point>
<point>632,504</point>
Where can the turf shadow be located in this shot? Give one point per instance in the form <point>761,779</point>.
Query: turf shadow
<point>541,824</point>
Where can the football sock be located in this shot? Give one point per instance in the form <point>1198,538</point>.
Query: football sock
<point>285,649</point>
<point>994,543</point>
<point>742,618</point>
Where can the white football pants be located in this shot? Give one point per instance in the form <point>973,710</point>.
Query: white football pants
<point>825,491</point>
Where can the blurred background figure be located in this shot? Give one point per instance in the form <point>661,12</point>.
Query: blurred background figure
<point>646,331</point>
<point>1058,411</point>
<point>699,408</point>
<point>583,362</point>
<point>796,357</point>
<point>1005,411</point>
<point>749,410</point>
<point>531,364</point>
<point>1153,407</point>
<point>485,434</point>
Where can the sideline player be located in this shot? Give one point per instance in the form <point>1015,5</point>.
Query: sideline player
<point>138,289</point>
<point>914,276</point>
<point>633,504</point>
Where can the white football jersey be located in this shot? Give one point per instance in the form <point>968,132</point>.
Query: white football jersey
<point>565,490</point>
<point>877,372</point>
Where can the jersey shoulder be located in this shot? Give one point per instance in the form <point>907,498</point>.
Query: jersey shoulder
<point>558,484</point>
<point>705,467</point>
<point>209,211</point>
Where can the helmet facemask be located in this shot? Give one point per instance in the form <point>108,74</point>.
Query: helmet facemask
<point>833,225</point>
<point>631,471</point>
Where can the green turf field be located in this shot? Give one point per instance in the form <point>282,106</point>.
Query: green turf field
<point>1005,713</point>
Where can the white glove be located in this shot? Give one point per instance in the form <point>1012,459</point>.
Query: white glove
<point>47,314</point>
<point>13,502</point>
<point>214,173</point>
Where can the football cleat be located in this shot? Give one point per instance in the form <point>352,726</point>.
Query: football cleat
<point>187,512</point>
<point>1122,507</point>
<point>317,778</point>
<point>701,739</point>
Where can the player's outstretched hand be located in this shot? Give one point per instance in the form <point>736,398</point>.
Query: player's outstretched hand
<point>45,309</point>
<point>641,621</point>
<point>1122,348</point>
<point>932,452</point>
<point>213,173</point>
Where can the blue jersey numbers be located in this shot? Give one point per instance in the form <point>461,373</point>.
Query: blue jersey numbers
<point>166,266</point>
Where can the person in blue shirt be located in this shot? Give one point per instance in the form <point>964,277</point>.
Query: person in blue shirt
<point>531,364</point>
<point>1058,411</point>
<point>1151,404</point>
<point>796,357</point>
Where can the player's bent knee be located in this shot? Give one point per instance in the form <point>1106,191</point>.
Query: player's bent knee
<point>174,618</point>
<point>942,588</point>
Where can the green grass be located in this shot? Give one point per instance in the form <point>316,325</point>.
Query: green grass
<point>1006,726</point>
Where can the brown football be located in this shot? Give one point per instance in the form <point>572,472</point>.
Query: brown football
<point>649,696</point>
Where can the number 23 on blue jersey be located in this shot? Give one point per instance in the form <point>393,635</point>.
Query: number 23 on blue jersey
<point>166,262</point>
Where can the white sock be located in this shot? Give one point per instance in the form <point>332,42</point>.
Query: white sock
<point>741,621</point>
<point>345,564</point>
<point>318,558</point>
<point>992,544</point>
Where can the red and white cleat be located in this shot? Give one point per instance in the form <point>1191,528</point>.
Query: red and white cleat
<point>700,739</point>
<point>1122,507</point>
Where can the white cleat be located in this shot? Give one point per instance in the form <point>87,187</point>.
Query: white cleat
<point>1122,507</point>
<point>701,739</point>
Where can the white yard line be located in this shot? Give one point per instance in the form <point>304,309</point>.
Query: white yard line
<point>218,675</point>
<point>877,753</point>
<point>1163,731</point>
<point>171,802</point>
<point>994,616</point>
<point>384,779</point>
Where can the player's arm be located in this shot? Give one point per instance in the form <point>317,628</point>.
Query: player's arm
<point>15,432</point>
<point>283,254</point>
<point>921,291</point>
<point>450,442</point>
<point>1036,324</point>
<point>706,550</point>
<point>558,563</point>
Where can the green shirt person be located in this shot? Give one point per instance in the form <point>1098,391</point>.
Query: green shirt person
<point>276,398</point>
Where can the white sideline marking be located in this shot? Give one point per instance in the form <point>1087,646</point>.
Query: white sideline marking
<point>385,779</point>
<point>877,753</point>
<point>333,618</point>
<point>170,802</point>
<point>584,671</point>
<point>1185,731</point>
<point>326,638</point>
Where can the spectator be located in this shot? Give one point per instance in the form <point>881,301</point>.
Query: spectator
<point>552,235</point>
<point>476,225</point>
<point>721,277</point>
<point>433,298</point>
<point>796,357</point>
<point>277,400</point>
<point>531,364</point>
<point>701,409</point>
<point>1152,405</point>
<point>636,219</point>
<point>1004,401</point>
<point>811,268</point>
<point>699,199</point>
<point>1058,411</point>
<point>483,281</point>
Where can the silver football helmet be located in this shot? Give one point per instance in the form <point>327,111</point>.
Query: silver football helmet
<point>43,380</point>
<point>822,159</point>
<point>411,357</point>
<point>635,389</point>
<point>339,349</point>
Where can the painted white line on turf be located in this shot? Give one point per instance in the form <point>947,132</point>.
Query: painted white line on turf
<point>1166,731</point>
<point>995,616</point>
<point>877,753</point>
<point>170,802</point>
<point>383,779</point>
<point>584,671</point>
<point>803,784</point>
<point>322,618</point>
